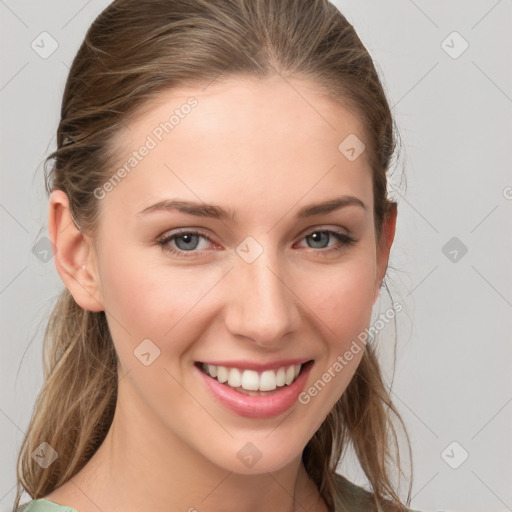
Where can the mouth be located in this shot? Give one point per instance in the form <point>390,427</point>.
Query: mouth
<point>254,383</point>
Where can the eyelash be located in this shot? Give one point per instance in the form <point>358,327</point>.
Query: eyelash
<point>164,242</point>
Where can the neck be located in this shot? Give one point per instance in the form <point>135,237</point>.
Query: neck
<point>141,465</point>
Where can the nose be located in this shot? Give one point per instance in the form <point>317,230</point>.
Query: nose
<point>263,306</point>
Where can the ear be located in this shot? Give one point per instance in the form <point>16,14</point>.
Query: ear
<point>73,250</point>
<point>384,245</point>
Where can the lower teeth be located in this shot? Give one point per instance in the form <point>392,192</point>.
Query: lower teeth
<point>255,393</point>
<point>240,389</point>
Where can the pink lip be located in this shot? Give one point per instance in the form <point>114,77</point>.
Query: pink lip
<point>259,367</point>
<point>266,406</point>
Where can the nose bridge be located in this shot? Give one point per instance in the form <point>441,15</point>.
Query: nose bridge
<point>262,307</point>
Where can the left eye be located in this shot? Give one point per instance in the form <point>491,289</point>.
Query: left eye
<point>187,241</point>
<point>318,236</point>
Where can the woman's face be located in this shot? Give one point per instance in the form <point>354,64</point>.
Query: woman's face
<point>270,284</point>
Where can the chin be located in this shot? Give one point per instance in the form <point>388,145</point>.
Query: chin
<point>253,457</point>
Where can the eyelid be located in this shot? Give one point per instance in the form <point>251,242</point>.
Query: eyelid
<point>170,235</point>
<point>335,229</point>
<point>179,231</point>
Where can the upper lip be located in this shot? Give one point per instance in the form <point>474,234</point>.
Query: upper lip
<point>259,367</point>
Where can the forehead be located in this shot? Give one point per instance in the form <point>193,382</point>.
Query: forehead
<point>243,137</point>
<point>291,108</point>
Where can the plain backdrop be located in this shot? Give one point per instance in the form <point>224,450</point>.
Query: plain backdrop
<point>446,70</point>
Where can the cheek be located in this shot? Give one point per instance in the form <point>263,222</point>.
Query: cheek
<point>343,298</point>
<point>341,305</point>
<point>152,301</point>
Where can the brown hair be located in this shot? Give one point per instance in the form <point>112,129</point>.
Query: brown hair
<point>133,51</point>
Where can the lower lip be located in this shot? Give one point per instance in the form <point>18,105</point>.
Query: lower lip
<point>265,406</point>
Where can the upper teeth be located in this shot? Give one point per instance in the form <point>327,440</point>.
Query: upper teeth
<point>250,380</point>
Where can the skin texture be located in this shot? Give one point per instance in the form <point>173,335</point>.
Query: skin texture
<point>263,149</point>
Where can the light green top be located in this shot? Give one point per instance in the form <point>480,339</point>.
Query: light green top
<point>43,505</point>
<point>360,498</point>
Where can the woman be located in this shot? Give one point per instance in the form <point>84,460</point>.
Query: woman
<point>219,215</point>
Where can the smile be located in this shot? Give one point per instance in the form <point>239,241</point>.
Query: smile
<point>251,380</point>
<point>255,394</point>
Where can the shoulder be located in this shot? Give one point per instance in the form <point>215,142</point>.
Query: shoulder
<point>44,505</point>
<point>359,498</point>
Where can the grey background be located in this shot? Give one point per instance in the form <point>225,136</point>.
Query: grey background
<point>453,378</point>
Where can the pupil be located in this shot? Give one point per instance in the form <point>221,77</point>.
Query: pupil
<point>317,236</point>
<point>188,238</point>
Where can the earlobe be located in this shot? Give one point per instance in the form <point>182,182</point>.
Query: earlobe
<point>74,254</point>
<point>384,246</point>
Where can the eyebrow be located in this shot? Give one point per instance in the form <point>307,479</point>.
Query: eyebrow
<point>218,212</point>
